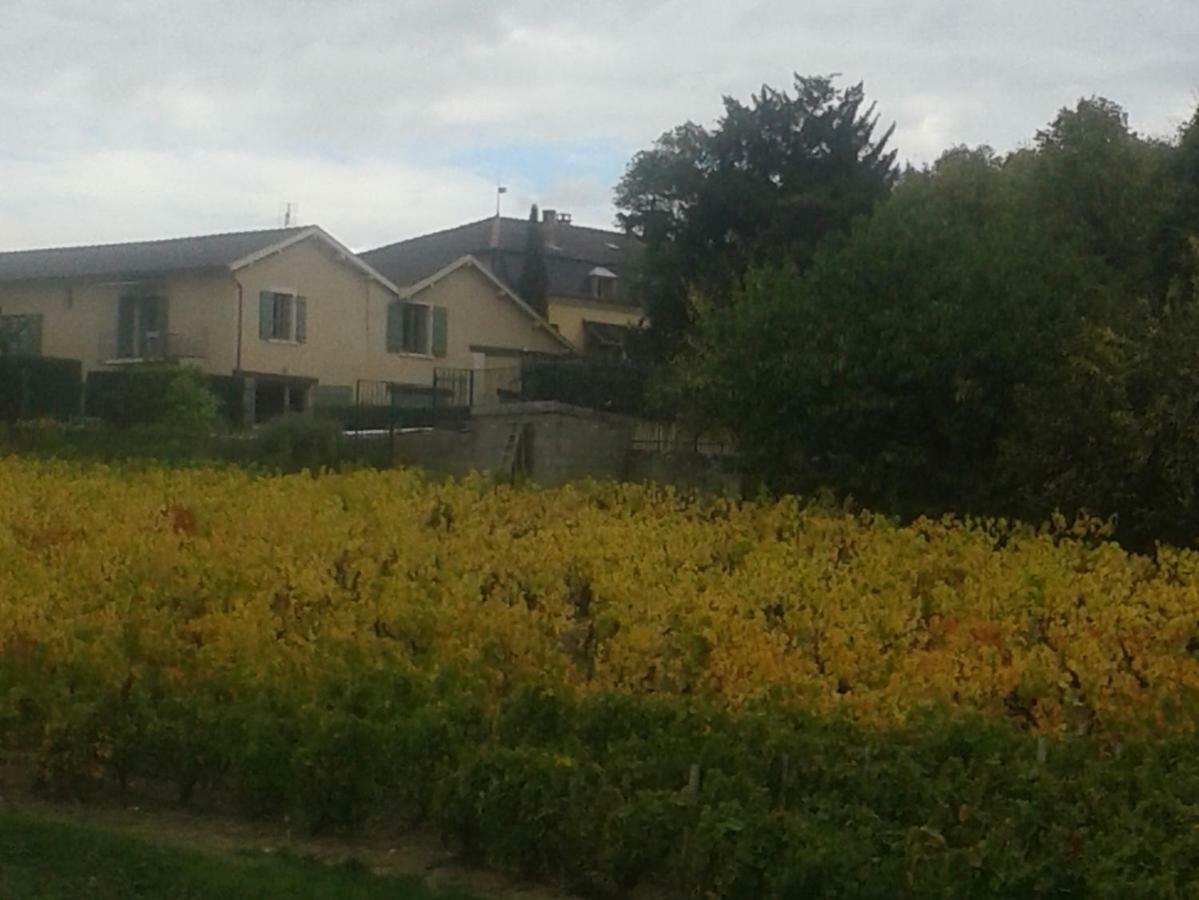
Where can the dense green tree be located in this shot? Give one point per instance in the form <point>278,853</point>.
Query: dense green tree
<point>1115,433</point>
<point>533,286</point>
<point>891,368</point>
<point>1091,176</point>
<point>1178,259</point>
<point>768,184</point>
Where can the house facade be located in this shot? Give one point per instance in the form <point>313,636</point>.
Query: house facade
<point>291,314</point>
<point>589,270</point>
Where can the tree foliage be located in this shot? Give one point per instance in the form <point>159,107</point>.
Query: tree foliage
<point>772,180</point>
<point>1005,335</point>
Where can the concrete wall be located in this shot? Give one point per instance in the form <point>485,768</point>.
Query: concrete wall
<point>564,444</point>
<point>568,314</point>
<point>550,443</point>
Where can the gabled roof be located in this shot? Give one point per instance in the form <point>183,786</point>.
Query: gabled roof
<point>140,259</point>
<point>148,259</point>
<point>571,252</point>
<point>468,261</point>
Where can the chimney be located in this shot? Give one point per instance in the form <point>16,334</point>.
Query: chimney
<point>549,225</point>
<point>549,216</point>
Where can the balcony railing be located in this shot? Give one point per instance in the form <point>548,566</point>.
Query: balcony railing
<point>168,347</point>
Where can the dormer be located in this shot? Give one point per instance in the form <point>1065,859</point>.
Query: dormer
<point>601,283</point>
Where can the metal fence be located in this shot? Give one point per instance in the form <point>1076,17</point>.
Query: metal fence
<point>467,388</point>
<point>153,347</point>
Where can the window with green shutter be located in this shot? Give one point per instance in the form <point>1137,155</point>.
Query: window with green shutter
<point>266,313</point>
<point>395,327</point>
<point>21,335</point>
<point>282,317</point>
<point>301,304</point>
<point>409,326</point>
<point>441,329</point>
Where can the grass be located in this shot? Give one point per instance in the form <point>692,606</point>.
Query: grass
<point>51,860</point>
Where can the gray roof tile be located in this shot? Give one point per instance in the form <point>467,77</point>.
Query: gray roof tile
<point>140,259</point>
<point>571,252</point>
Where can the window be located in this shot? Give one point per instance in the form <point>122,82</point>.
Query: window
<point>282,316</point>
<point>141,327</point>
<point>21,335</point>
<point>602,283</point>
<point>414,336</point>
<point>417,328</point>
<point>605,288</point>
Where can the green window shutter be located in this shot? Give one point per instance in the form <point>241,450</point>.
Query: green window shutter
<point>126,312</point>
<point>441,330</point>
<point>301,319</point>
<point>395,327</point>
<point>163,324</point>
<point>266,315</point>
<point>161,344</point>
<point>33,339</point>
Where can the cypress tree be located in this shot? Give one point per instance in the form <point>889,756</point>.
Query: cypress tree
<point>534,283</point>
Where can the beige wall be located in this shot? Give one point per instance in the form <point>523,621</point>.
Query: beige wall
<point>481,315</point>
<point>80,319</point>
<point>568,314</point>
<point>346,319</point>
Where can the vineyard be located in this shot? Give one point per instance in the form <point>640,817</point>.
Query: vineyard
<point>611,685</point>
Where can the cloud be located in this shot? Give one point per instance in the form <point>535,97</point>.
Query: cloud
<point>383,119</point>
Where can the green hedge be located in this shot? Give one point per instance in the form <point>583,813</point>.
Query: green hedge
<point>34,387</point>
<point>610,387</point>
<point>152,395</point>
<point>609,792</point>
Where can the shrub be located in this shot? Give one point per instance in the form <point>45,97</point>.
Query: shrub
<point>292,443</point>
<point>177,398</point>
<point>39,387</point>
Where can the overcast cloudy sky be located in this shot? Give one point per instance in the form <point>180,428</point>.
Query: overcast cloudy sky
<point>380,119</point>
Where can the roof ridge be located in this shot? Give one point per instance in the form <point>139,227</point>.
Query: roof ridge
<point>291,229</point>
<point>551,253</point>
<point>430,234</point>
<point>515,220</point>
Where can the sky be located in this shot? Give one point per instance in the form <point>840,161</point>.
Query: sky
<point>384,119</point>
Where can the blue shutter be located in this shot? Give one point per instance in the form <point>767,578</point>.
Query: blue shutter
<point>441,328</point>
<point>266,315</point>
<point>301,319</point>
<point>395,327</point>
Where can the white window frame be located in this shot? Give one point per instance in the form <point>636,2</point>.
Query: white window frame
<point>290,295</point>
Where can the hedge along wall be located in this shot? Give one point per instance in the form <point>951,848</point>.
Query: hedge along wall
<point>127,397</point>
<point>33,387</point>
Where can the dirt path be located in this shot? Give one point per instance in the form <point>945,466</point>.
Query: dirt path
<point>416,854</point>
